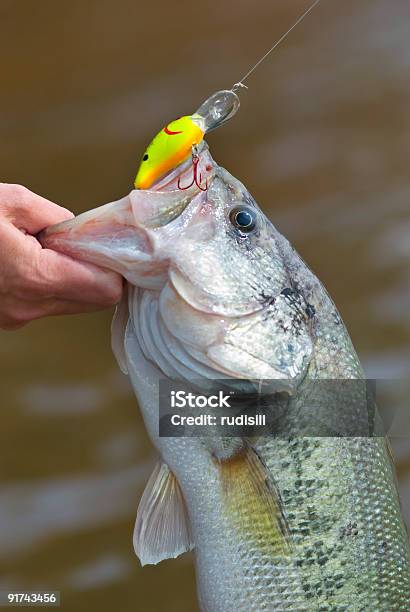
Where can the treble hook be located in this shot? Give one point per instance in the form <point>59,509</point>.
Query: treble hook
<point>195,161</point>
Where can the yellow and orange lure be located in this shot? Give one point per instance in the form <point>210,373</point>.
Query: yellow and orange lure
<point>177,140</point>
<point>170,147</point>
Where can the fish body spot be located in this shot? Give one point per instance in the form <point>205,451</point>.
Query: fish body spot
<point>310,311</point>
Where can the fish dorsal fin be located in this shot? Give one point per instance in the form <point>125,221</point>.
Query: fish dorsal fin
<point>118,325</point>
<point>253,504</point>
<point>162,529</point>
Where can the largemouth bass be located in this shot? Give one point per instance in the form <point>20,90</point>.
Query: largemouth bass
<point>215,291</point>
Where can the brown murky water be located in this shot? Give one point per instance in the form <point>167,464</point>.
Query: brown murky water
<point>322,141</point>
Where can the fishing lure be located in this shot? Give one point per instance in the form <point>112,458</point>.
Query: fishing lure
<point>179,139</point>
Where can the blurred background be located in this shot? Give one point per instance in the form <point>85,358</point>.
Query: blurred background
<point>323,143</point>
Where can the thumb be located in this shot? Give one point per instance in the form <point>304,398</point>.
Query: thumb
<point>29,211</point>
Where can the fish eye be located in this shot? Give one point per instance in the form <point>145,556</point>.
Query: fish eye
<point>243,218</point>
<point>145,157</point>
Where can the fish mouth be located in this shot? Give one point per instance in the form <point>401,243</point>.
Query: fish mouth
<point>121,235</point>
<point>108,236</point>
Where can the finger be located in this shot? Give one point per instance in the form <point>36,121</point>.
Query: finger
<point>17,315</point>
<point>64,278</point>
<point>29,211</point>
<point>68,307</point>
<point>30,272</point>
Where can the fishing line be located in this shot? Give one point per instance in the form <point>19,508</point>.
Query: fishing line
<point>239,84</point>
<point>212,113</point>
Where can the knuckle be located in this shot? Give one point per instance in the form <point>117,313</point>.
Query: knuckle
<point>14,320</point>
<point>14,196</point>
<point>18,193</point>
<point>17,312</point>
<point>35,280</point>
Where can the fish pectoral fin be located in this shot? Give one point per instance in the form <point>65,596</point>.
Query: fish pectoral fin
<point>118,326</point>
<point>253,503</point>
<point>162,529</point>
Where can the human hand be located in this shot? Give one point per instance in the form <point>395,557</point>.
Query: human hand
<point>37,282</point>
